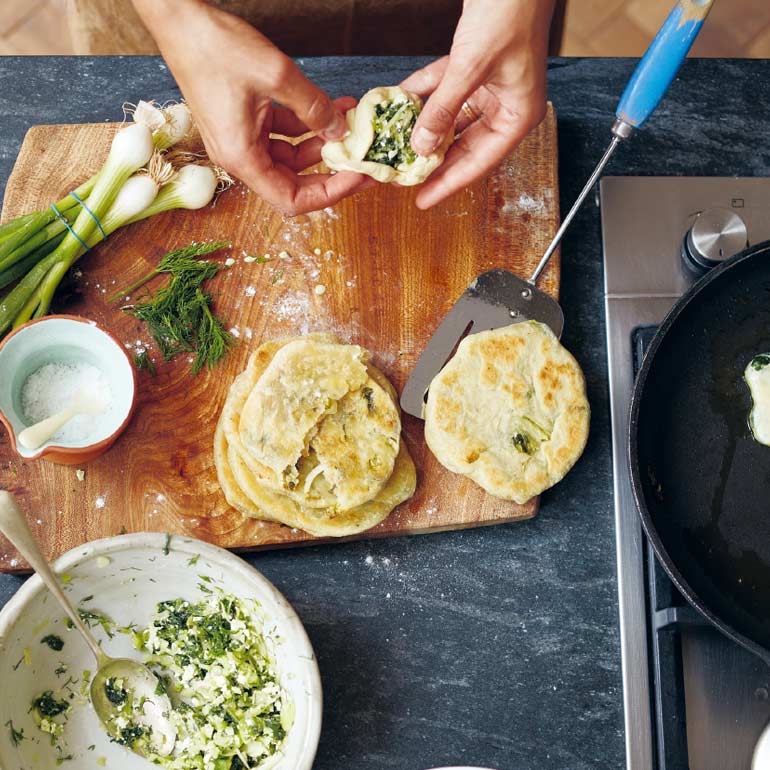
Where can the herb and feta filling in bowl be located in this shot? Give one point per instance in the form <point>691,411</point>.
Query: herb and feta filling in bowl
<point>226,647</point>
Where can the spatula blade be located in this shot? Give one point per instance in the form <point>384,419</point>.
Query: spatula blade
<point>496,298</point>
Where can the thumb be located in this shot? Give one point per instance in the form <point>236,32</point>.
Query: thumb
<point>309,103</point>
<point>438,116</point>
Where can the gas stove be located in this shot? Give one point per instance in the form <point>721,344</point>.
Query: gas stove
<point>693,699</point>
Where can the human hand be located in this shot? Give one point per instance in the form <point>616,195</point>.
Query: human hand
<point>229,75</point>
<point>497,65</point>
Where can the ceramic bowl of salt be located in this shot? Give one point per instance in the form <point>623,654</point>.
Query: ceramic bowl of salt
<point>58,367</point>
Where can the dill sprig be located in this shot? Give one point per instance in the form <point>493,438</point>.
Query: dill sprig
<point>178,315</point>
<point>144,362</point>
<point>177,262</point>
<point>17,736</point>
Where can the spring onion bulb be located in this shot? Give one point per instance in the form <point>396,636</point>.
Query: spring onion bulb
<point>169,125</point>
<point>192,187</point>
<point>178,126</point>
<point>136,195</point>
<point>131,148</point>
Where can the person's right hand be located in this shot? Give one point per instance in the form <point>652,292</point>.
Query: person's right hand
<point>230,75</point>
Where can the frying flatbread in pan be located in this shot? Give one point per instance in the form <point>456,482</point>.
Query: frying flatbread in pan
<point>757,376</point>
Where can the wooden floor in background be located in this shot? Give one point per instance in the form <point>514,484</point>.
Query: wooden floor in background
<point>738,28</point>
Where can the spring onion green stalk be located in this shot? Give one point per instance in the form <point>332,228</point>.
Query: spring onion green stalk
<point>42,236</point>
<point>41,219</point>
<point>9,275</point>
<point>135,196</point>
<point>11,227</point>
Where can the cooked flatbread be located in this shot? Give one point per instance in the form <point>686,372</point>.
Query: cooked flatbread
<point>509,411</point>
<point>246,494</point>
<point>348,454</point>
<point>366,470</point>
<point>378,142</point>
<point>302,384</point>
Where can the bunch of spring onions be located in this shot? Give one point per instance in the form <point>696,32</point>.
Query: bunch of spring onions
<point>141,177</point>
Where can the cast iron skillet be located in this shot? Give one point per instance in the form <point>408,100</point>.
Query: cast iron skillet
<point>701,482</point>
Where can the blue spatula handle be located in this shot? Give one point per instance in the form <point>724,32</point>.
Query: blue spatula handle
<point>664,57</point>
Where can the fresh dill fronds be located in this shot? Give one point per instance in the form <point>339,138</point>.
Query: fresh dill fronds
<point>144,362</point>
<point>17,736</point>
<point>178,315</point>
<point>176,262</point>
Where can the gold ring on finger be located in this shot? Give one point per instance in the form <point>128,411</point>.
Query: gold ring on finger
<point>469,112</point>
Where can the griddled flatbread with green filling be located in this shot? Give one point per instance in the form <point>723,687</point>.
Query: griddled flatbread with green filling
<point>757,376</point>
<point>246,494</point>
<point>348,454</point>
<point>509,411</point>
<point>302,384</point>
<point>354,468</point>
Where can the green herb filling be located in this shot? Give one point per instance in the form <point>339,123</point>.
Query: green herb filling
<point>393,122</point>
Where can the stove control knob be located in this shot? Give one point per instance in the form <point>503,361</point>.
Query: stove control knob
<point>716,235</point>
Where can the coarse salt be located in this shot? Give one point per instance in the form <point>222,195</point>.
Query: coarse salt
<point>52,388</point>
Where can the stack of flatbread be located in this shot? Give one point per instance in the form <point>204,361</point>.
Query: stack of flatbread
<point>310,436</point>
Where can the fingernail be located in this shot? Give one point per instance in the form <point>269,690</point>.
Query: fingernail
<point>425,141</point>
<point>337,128</point>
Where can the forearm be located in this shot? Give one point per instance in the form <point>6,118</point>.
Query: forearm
<point>172,22</point>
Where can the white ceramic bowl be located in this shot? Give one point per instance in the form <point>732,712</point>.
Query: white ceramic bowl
<point>138,575</point>
<point>65,340</point>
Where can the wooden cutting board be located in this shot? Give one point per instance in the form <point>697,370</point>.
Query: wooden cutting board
<point>390,271</point>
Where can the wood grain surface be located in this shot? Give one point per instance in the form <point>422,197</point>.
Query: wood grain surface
<point>390,272</point>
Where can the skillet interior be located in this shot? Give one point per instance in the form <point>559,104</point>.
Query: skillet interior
<point>701,481</point>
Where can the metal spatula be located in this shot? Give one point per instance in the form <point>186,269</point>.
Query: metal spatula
<point>498,297</point>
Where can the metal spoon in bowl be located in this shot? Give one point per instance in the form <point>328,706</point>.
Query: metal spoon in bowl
<point>137,678</point>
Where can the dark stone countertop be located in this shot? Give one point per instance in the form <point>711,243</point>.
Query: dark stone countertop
<point>500,646</point>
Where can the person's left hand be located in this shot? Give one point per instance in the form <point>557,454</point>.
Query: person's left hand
<point>497,67</point>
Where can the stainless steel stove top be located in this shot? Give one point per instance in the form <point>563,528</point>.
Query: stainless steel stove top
<point>693,699</point>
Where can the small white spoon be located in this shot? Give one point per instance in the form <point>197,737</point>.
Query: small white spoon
<point>138,679</point>
<point>84,402</point>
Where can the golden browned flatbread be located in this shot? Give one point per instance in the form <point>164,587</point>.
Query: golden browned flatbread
<point>509,411</point>
<point>353,468</point>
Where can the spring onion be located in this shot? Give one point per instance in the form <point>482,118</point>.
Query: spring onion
<point>138,179</point>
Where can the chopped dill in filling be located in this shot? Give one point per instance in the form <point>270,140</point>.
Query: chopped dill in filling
<point>393,122</point>
<point>216,666</point>
<point>217,669</point>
